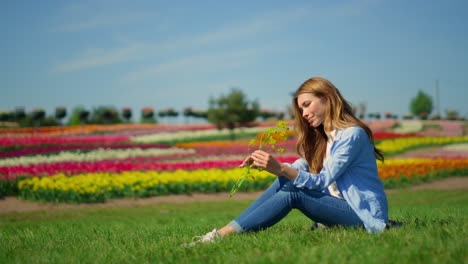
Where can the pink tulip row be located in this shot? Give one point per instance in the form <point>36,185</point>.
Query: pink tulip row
<point>151,159</point>
<point>288,146</point>
<point>53,149</point>
<point>101,140</point>
<point>446,154</point>
<point>381,125</point>
<point>191,127</point>
<point>117,166</point>
<point>202,149</point>
<point>452,128</point>
<point>46,169</point>
<point>162,129</point>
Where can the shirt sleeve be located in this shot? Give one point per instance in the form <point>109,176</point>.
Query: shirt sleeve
<point>299,164</point>
<point>345,152</point>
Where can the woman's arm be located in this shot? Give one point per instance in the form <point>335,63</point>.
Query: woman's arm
<point>266,161</point>
<point>345,151</point>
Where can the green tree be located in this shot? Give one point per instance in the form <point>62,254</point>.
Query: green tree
<point>105,115</point>
<point>35,118</point>
<point>60,113</point>
<point>421,105</point>
<point>127,114</point>
<point>74,119</point>
<point>38,115</point>
<point>5,116</point>
<point>19,115</point>
<point>231,111</point>
<point>147,116</point>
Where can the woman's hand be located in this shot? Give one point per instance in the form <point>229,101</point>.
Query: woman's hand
<point>247,161</point>
<point>263,160</point>
<point>266,161</point>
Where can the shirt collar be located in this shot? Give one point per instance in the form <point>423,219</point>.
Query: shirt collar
<point>332,135</point>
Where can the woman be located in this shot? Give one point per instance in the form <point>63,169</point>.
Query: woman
<point>335,182</point>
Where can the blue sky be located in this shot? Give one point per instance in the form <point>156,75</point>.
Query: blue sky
<point>179,53</point>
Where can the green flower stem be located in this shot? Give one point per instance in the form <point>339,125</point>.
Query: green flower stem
<point>266,138</point>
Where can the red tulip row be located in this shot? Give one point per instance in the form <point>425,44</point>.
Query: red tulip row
<point>53,149</point>
<point>23,142</point>
<point>116,166</point>
<point>387,135</point>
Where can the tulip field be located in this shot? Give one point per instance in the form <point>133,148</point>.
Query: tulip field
<point>86,168</point>
<point>96,163</point>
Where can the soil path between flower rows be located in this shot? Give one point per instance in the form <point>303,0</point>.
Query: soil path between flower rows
<point>13,204</point>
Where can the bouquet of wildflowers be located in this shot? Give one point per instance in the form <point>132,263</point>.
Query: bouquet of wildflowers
<point>264,141</point>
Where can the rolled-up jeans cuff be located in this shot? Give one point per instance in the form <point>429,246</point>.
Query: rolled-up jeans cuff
<point>236,226</point>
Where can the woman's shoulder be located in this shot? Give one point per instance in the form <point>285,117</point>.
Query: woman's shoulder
<point>353,131</point>
<point>352,134</point>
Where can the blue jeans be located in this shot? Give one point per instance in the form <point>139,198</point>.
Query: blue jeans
<point>282,196</point>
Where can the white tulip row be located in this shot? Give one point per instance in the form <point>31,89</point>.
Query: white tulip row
<point>457,147</point>
<point>95,155</point>
<point>181,135</point>
<point>410,126</point>
<point>200,158</point>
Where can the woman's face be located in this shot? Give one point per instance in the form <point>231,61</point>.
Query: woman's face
<point>312,108</point>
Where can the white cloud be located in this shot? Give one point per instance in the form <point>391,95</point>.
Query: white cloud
<point>196,63</point>
<point>270,22</point>
<point>90,59</point>
<point>97,58</point>
<point>98,21</point>
<point>351,8</point>
<point>96,14</point>
<point>264,23</point>
<point>228,59</point>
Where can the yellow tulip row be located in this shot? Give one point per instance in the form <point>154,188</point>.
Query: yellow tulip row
<point>129,182</point>
<point>101,186</point>
<point>401,144</point>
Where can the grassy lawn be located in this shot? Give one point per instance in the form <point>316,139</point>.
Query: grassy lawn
<point>435,232</point>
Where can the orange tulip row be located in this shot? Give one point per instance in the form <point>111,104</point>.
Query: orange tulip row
<point>420,168</point>
<point>55,131</point>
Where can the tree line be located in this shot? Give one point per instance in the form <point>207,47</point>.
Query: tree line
<point>230,111</point>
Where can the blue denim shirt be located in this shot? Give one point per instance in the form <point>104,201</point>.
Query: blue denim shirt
<point>353,166</point>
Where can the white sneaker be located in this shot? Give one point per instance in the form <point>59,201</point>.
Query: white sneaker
<point>317,226</point>
<point>209,237</point>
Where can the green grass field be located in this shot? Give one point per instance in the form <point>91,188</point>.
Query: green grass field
<point>435,231</point>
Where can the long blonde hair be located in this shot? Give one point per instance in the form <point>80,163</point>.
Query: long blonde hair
<point>312,142</point>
